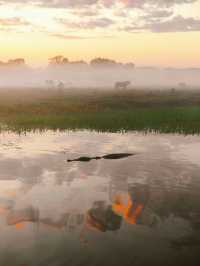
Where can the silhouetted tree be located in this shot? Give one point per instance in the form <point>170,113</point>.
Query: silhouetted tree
<point>80,62</point>
<point>58,60</point>
<point>16,62</point>
<point>103,62</point>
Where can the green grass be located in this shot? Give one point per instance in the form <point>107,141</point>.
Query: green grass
<point>145,111</point>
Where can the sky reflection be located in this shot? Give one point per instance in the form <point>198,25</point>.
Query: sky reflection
<point>150,200</point>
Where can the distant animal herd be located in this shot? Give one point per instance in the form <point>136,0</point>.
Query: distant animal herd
<point>119,85</point>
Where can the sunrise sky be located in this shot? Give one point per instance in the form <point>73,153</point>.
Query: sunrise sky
<point>147,32</point>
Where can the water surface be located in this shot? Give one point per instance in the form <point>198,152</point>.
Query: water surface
<point>142,209</point>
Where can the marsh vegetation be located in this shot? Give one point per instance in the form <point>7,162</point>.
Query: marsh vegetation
<point>174,111</point>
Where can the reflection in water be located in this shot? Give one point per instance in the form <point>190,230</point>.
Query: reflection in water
<point>19,217</point>
<point>142,210</point>
<point>127,210</point>
<point>133,208</point>
<point>103,218</point>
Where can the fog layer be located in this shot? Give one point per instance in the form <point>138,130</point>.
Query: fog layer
<point>87,76</point>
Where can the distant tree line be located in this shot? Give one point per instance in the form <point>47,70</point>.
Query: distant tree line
<point>14,62</point>
<point>96,62</point>
<point>60,60</point>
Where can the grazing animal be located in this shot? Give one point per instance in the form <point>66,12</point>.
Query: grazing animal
<point>122,85</point>
<point>61,85</point>
<point>50,84</point>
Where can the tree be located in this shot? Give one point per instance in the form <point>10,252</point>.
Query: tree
<point>103,62</point>
<point>81,62</point>
<point>16,62</point>
<point>58,60</point>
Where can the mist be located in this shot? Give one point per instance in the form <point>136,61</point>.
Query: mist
<point>89,76</point>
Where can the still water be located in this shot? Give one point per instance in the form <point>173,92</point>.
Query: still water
<point>137,209</point>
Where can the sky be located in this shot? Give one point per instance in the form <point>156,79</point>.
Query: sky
<point>147,32</point>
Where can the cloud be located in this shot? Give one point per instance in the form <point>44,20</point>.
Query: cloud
<point>68,3</point>
<point>106,3</point>
<point>88,24</point>
<point>154,14</point>
<point>13,22</point>
<point>175,24</point>
<point>86,12</point>
<point>127,15</point>
<point>53,3</point>
<point>74,37</point>
<point>67,37</point>
<point>158,3</point>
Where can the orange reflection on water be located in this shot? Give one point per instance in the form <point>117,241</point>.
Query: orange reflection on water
<point>130,211</point>
<point>20,226</point>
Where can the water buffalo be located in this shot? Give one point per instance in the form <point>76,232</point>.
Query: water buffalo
<point>122,85</point>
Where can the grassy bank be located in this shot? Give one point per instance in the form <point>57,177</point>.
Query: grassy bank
<point>144,110</point>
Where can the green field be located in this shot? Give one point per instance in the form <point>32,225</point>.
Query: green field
<point>101,110</point>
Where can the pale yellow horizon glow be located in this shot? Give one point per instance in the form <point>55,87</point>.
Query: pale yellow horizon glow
<point>163,49</point>
<point>37,42</point>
